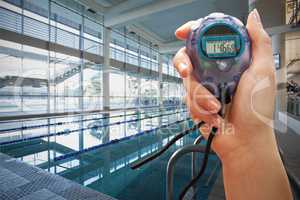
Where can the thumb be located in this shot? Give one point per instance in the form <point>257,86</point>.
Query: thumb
<point>261,42</point>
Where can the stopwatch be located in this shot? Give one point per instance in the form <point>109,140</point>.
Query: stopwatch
<point>220,51</point>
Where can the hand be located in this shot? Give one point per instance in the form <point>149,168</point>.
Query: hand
<point>248,121</point>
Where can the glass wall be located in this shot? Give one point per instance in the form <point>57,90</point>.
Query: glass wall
<point>42,80</point>
<point>172,91</point>
<point>11,68</point>
<point>117,89</point>
<point>35,80</point>
<point>167,66</point>
<point>136,87</point>
<point>132,89</point>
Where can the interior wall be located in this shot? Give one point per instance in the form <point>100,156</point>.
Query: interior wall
<point>271,12</point>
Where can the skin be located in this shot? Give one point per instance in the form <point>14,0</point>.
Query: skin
<point>245,141</point>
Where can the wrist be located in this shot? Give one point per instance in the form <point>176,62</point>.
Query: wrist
<point>257,172</point>
<point>247,158</point>
<point>259,145</point>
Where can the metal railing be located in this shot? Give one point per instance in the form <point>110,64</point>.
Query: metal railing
<point>195,147</point>
<point>171,165</point>
<point>194,172</point>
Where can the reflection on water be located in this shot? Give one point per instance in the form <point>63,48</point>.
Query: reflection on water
<point>106,169</point>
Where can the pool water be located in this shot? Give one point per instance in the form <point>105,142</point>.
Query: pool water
<point>99,157</point>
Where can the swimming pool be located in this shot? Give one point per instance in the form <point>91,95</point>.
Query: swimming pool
<point>96,151</point>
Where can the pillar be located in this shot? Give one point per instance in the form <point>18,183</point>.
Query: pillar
<point>160,80</point>
<point>106,68</point>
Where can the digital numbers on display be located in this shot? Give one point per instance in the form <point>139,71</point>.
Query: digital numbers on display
<point>220,47</point>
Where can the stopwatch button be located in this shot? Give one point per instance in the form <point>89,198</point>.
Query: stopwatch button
<point>223,66</point>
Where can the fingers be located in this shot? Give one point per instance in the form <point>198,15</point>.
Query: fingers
<point>200,95</point>
<point>200,114</point>
<point>259,37</point>
<point>202,104</point>
<point>262,53</point>
<point>195,91</point>
<point>182,63</point>
<point>183,31</point>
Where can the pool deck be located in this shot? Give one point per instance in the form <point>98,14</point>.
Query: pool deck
<point>21,181</point>
<point>289,145</point>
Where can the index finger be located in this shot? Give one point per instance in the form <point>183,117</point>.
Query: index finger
<point>183,31</point>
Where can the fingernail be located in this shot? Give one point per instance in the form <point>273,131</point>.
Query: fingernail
<point>214,106</point>
<point>256,16</point>
<point>197,121</point>
<point>182,68</point>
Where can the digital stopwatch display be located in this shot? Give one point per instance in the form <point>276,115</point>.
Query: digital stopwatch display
<point>220,47</point>
<point>220,42</point>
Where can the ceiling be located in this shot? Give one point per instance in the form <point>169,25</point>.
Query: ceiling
<point>158,19</point>
<point>164,23</point>
<point>108,3</point>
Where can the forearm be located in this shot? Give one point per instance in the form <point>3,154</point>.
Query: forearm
<point>256,173</point>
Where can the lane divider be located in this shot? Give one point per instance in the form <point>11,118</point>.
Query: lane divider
<point>82,129</point>
<point>75,153</point>
<point>76,121</point>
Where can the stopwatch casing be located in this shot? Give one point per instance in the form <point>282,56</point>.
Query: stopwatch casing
<point>220,51</point>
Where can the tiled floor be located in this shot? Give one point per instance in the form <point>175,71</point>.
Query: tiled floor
<point>20,181</point>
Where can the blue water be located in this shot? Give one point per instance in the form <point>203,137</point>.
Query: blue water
<point>106,168</point>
